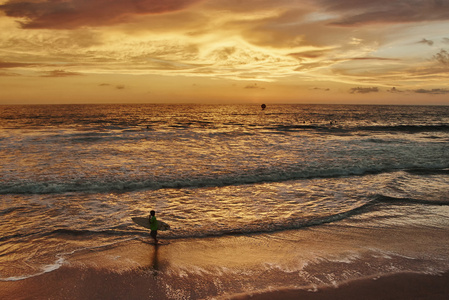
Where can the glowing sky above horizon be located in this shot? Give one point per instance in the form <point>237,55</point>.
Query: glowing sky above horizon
<point>284,51</point>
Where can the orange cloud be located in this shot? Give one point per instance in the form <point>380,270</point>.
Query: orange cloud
<point>433,91</point>
<point>442,57</point>
<point>71,14</point>
<point>9,65</point>
<point>60,73</point>
<point>254,86</point>
<point>361,90</point>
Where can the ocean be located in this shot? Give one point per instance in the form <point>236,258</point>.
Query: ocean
<point>288,196</point>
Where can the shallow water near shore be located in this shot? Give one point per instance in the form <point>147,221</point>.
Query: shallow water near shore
<point>222,267</point>
<point>292,196</point>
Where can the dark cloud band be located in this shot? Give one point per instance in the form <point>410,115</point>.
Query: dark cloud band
<point>77,13</point>
<point>432,91</point>
<point>353,12</point>
<point>361,90</point>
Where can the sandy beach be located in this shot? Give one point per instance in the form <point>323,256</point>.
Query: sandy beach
<point>233,267</point>
<point>69,283</point>
<point>398,286</point>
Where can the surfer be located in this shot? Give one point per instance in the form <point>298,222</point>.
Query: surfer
<point>153,225</point>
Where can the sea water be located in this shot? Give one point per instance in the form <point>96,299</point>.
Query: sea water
<point>72,176</point>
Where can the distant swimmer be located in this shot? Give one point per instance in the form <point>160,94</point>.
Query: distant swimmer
<point>263,106</point>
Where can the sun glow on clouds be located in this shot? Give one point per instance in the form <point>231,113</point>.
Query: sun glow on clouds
<point>192,50</point>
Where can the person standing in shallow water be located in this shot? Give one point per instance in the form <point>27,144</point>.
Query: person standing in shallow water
<point>153,225</point>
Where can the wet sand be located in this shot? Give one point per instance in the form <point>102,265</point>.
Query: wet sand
<point>236,268</point>
<point>323,262</point>
<point>74,283</point>
<point>398,286</point>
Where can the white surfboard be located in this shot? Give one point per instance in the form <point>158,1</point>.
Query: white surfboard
<point>145,222</point>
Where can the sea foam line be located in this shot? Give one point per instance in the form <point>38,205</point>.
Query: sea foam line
<point>46,269</point>
<point>118,185</point>
<point>61,260</point>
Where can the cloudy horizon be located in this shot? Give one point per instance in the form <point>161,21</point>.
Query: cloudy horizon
<point>324,51</point>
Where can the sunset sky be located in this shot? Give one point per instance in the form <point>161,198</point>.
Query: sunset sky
<point>224,51</point>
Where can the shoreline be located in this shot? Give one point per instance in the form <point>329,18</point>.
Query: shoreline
<point>77,283</point>
<point>265,267</point>
<point>400,286</point>
<point>318,263</point>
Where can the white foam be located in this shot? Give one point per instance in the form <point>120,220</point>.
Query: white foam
<point>45,269</point>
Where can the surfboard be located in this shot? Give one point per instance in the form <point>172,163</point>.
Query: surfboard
<point>145,222</point>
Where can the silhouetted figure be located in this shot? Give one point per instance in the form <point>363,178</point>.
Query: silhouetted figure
<point>263,106</point>
<point>153,225</point>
